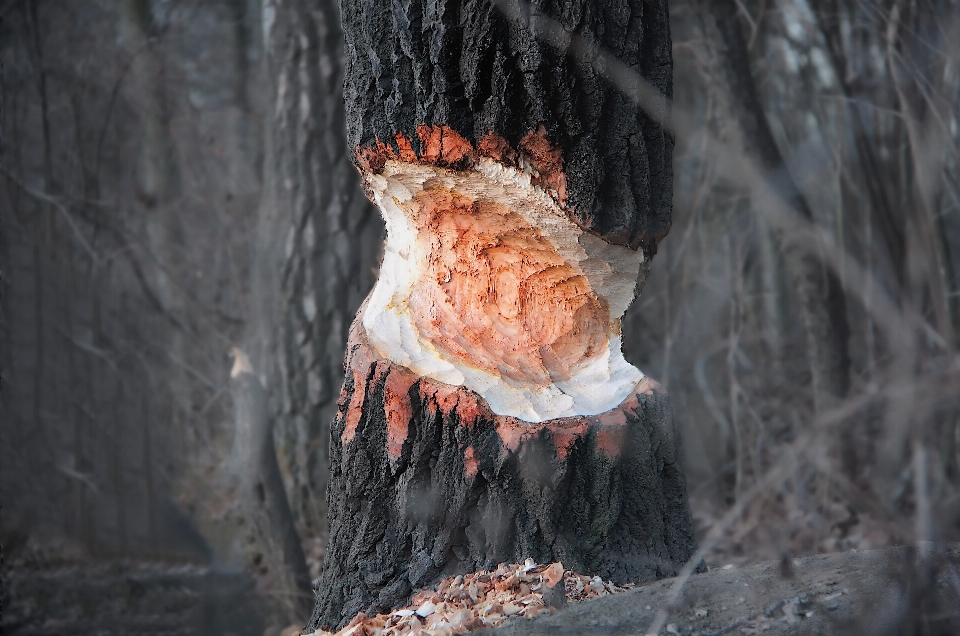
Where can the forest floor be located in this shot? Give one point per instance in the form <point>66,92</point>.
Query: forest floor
<point>895,590</point>
<point>49,598</point>
<point>852,592</point>
<point>900,590</point>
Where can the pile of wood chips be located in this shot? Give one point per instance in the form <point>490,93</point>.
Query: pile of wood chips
<point>481,599</point>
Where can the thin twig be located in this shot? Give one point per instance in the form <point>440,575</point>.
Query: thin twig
<point>55,202</point>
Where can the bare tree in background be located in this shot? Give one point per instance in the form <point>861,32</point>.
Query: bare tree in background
<point>118,314</point>
<point>318,242</point>
<point>824,77</point>
<point>818,287</point>
<point>314,256</point>
<point>132,174</point>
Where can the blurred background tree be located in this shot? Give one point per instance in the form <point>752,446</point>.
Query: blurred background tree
<point>174,182</point>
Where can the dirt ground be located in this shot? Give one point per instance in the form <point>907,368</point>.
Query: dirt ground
<point>901,590</point>
<point>148,599</point>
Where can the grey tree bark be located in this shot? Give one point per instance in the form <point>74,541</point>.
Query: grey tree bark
<point>318,243</point>
<point>821,295</point>
<point>262,496</point>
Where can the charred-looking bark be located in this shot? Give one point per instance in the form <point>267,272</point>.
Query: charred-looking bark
<point>426,482</point>
<point>488,413</point>
<point>464,65</point>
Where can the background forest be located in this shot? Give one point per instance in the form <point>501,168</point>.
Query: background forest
<point>175,182</point>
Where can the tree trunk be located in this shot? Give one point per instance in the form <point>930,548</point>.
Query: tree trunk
<point>318,244</point>
<point>821,296</point>
<point>427,482</point>
<point>487,413</point>
<point>465,66</point>
<point>262,496</point>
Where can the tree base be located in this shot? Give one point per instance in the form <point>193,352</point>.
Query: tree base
<point>427,482</point>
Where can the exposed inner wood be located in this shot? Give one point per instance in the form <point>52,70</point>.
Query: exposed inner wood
<point>370,370</point>
<point>487,283</point>
<point>497,295</point>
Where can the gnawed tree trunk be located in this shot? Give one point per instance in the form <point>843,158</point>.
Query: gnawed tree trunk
<point>427,481</point>
<point>488,413</point>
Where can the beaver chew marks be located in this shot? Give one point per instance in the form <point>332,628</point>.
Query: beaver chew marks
<point>487,283</point>
<point>497,295</point>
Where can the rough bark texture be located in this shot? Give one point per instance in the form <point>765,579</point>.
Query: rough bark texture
<point>426,482</point>
<point>318,246</point>
<point>464,65</point>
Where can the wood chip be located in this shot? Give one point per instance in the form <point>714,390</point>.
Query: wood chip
<point>480,599</point>
<point>553,573</point>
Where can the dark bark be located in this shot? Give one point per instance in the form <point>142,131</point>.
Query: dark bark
<point>318,245</point>
<point>427,482</point>
<point>262,496</point>
<point>466,66</point>
<point>821,296</point>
